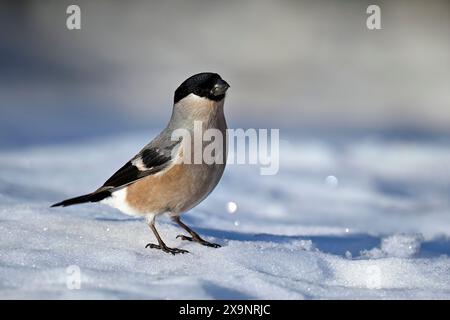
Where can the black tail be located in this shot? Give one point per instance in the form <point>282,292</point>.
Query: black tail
<point>91,197</point>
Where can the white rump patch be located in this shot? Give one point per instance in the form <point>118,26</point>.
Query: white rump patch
<point>118,200</point>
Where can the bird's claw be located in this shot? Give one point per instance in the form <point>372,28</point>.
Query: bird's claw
<point>200,240</point>
<point>166,249</point>
<point>183,237</point>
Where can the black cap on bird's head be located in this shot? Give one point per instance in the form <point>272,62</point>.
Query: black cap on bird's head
<point>206,85</point>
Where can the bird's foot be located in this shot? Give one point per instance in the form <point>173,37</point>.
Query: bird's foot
<point>199,240</point>
<point>166,249</point>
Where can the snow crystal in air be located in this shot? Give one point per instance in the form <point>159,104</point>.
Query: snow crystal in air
<point>331,181</point>
<point>231,207</point>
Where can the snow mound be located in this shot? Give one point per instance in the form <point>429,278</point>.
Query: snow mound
<point>399,245</point>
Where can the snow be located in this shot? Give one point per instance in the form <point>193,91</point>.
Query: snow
<point>351,218</point>
<point>398,245</point>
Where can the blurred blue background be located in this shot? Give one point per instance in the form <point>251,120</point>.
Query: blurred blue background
<point>303,66</point>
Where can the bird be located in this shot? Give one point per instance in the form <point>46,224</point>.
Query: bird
<point>156,181</point>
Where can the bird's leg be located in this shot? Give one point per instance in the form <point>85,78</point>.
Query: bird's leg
<point>161,245</point>
<point>194,235</point>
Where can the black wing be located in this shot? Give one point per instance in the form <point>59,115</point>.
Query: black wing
<point>148,161</point>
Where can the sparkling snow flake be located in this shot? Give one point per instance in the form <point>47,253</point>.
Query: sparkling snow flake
<point>231,207</point>
<point>331,181</point>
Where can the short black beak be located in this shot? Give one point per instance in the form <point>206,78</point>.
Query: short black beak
<point>220,87</point>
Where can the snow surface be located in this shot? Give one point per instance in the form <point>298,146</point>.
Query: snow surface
<point>357,218</point>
